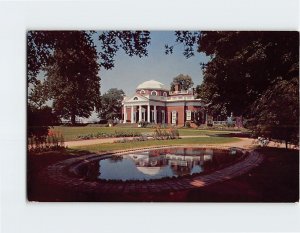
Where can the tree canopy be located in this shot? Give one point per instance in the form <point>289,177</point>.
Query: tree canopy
<point>111,104</point>
<point>42,44</point>
<point>276,113</point>
<point>71,62</point>
<point>254,74</point>
<point>72,78</point>
<point>242,66</point>
<point>185,82</point>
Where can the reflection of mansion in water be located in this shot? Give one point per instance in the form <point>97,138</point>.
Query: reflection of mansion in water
<point>183,162</point>
<point>154,103</point>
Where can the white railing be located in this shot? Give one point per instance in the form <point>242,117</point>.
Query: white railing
<point>180,92</point>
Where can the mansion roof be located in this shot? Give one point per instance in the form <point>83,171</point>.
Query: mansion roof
<point>155,91</point>
<point>153,85</point>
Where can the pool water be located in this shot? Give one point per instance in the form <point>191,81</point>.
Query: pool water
<point>162,163</point>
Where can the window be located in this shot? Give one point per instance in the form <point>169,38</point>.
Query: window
<point>153,92</point>
<point>188,115</point>
<point>165,94</point>
<point>163,117</point>
<point>135,98</point>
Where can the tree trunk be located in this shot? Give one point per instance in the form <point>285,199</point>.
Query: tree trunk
<point>73,119</point>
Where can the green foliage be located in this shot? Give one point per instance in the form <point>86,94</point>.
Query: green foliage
<point>187,124</point>
<point>111,104</point>
<point>164,134</point>
<point>70,61</point>
<point>115,134</point>
<point>72,77</point>
<point>143,124</point>
<point>50,142</point>
<point>276,113</point>
<point>242,65</point>
<point>42,44</point>
<point>38,95</point>
<point>185,82</point>
<point>39,121</point>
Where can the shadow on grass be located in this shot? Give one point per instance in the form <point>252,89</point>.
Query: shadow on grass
<point>275,180</point>
<point>239,135</point>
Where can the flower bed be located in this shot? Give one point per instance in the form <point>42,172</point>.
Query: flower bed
<point>116,134</point>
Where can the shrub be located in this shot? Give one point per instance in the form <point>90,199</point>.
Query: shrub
<point>162,134</point>
<point>143,124</point>
<point>53,141</point>
<point>188,124</point>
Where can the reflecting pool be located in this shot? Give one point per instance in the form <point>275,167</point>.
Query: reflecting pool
<point>162,163</point>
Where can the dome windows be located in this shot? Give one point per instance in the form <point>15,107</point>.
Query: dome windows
<point>153,92</point>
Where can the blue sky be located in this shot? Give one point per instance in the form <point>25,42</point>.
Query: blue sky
<point>129,72</point>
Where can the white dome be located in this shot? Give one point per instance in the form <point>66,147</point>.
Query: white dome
<point>151,171</point>
<point>152,85</point>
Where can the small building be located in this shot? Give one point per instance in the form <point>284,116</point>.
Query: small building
<point>153,102</point>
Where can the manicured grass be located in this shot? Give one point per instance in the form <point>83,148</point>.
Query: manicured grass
<point>138,144</point>
<point>195,132</point>
<point>72,133</point>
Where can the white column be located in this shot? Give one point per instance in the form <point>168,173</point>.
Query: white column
<point>148,119</point>
<point>140,113</point>
<point>155,114</point>
<point>132,119</point>
<point>125,114</point>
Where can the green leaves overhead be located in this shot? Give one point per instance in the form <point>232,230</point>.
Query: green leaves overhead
<point>133,43</point>
<point>42,44</point>
<point>71,62</point>
<point>243,64</point>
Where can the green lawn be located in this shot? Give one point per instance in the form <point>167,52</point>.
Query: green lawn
<point>72,133</point>
<point>137,144</point>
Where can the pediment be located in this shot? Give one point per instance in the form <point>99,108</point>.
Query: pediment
<point>136,98</point>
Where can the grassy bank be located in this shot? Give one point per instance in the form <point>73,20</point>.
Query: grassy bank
<point>72,133</point>
<point>138,144</point>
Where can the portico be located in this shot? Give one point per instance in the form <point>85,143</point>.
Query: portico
<point>136,112</point>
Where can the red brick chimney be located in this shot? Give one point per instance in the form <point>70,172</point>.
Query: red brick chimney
<point>177,86</point>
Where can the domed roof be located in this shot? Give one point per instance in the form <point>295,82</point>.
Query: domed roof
<point>152,85</point>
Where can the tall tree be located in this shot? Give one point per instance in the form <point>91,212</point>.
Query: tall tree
<point>70,60</point>
<point>111,104</point>
<point>185,82</point>
<point>72,78</point>
<point>251,73</point>
<point>243,64</point>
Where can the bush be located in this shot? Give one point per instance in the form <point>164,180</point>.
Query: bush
<point>163,134</point>
<point>187,124</point>
<point>53,141</point>
<point>116,134</point>
<point>143,124</point>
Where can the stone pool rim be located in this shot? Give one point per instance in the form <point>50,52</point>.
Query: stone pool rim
<point>59,173</point>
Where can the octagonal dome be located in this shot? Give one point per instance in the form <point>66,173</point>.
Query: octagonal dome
<point>152,85</point>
